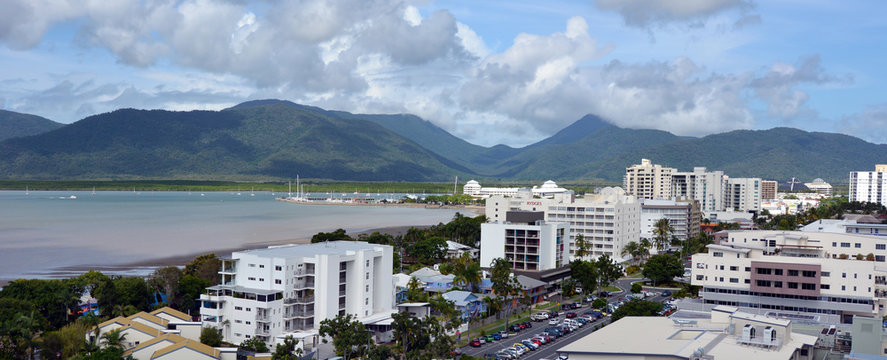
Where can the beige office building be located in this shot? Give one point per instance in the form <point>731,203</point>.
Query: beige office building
<point>648,180</point>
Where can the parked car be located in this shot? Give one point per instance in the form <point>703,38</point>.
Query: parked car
<point>554,331</point>
<point>553,321</point>
<point>503,334</point>
<point>483,340</point>
<point>552,314</point>
<point>497,336</point>
<point>490,338</point>
<point>540,316</point>
<point>475,343</point>
<point>527,324</point>
<point>571,315</point>
<point>531,345</point>
<point>666,293</point>
<point>536,341</point>
<point>514,328</point>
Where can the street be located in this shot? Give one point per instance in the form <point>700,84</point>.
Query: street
<point>549,350</point>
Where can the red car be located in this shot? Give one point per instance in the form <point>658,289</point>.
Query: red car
<point>536,341</point>
<point>571,315</point>
<point>474,343</point>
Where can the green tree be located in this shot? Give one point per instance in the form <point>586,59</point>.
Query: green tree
<point>166,280</point>
<point>67,341</point>
<point>632,249</point>
<point>350,337</point>
<point>133,291</point>
<point>504,285</point>
<point>287,350</point>
<point>637,308</point>
<point>663,268</point>
<point>190,288</point>
<point>338,234</point>
<point>584,272</point>
<point>582,246</point>
<point>211,336</point>
<point>51,298</point>
<point>599,303</point>
<point>428,251</point>
<point>662,230</point>
<point>206,267</point>
<point>421,338</point>
<point>113,339</point>
<point>414,291</point>
<point>607,270</point>
<point>636,288</point>
<point>253,344</point>
<point>645,246</point>
<point>466,271</point>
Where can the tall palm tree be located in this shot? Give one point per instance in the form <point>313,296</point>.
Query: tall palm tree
<point>582,247</point>
<point>645,246</point>
<point>663,230</point>
<point>632,249</point>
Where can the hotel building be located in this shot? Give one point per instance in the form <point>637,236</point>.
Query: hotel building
<point>269,293</point>
<point>827,275</point>
<point>648,181</point>
<point>869,186</point>
<point>607,220</point>
<point>684,217</point>
<point>526,240</point>
<point>769,189</point>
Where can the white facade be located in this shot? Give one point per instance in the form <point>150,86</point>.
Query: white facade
<point>705,186</point>
<point>536,247</point>
<point>548,189</point>
<point>607,220</point>
<point>285,289</point>
<point>820,186</point>
<point>869,186</point>
<point>683,216</point>
<point>648,181</point>
<point>743,194</point>
<point>813,274</point>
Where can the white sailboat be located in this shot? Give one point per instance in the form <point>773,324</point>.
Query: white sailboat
<point>93,190</point>
<point>27,190</point>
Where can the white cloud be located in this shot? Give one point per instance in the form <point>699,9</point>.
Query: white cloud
<point>647,13</point>
<point>870,125</point>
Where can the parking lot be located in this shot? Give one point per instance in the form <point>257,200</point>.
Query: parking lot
<point>548,350</point>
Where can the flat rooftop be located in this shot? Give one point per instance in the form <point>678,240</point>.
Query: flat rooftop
<point>309,250</point>
<point>653,336</point>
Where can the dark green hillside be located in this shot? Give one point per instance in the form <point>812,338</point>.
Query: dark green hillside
<point>576,160</point>
<point>266,140</point>
<point>13,124</point>
<point>779,153</point>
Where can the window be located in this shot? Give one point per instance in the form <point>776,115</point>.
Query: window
<point>734,280</point>
<point>252,265</point>
<point>699,277</point>
<point>825,274</point>
<point>834,244</point>
<point>777,284</point>
<point>764,271</point>
<point>368,276</point>
<point>248,323</point>
<point>366,301</point>
<point>238,308</point>
<point>764,283</point>
<point>368,288</point>
<point>792,285</point>
<point>844,275</point>
<point>824,286</point>
<point>748,269</point>
<point>278,268</point>
<point>249,309</point>
<point>262,279</point>
<point>808,273</point>
<point>843,288</point>
<point>717,254</point>
<point>879,258</point>
<point>238,322</point>
<point>748,281</point>
<point>793,273</point>
<point>845,244</point>
<point>368,263</point>
<point>277,281</point>
<point>857,245</point>
<point>261,266</point>
<point>251,279</point>
<point>777,271</point>
<point>734,268</point>
<point>808,286</point>
<point>880,246</point>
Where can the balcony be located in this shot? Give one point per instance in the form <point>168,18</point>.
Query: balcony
<point>262,318</point>
<point>262,331</point>
<point>299,300</point>
<point>298,314</point>
<point>301,285</point>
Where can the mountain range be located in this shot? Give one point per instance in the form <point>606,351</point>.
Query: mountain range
<point>274,139</point>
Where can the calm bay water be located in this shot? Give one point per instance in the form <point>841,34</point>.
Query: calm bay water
<point>49,234</point>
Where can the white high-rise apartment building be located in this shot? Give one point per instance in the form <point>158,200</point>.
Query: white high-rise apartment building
<point>829,275</point>
<point>648,181</point>
<point>869,186</point>
<point>607,220</point>
<point>526,240</point>
<point>683,216</point>
<point>743,194</point>
<point>705,186</point>
<point>267,293</point>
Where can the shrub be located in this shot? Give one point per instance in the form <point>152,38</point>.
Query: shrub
<point>636,288</point>
<point>599,303</point>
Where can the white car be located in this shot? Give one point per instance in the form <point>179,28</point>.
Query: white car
<point>553,321</point>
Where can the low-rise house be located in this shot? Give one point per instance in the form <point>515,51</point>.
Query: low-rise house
<point>456,250</point>
<point>469,304</point>
<point>433,281</point>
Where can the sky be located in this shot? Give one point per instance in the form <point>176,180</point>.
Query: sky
<point>489,71</point>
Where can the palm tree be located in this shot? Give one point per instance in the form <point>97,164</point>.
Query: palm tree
<point>645,246</point>
<point>632,249</point>
<point>662,229</point>
<point>27,329</point>
<point>581,246</point>
<point>113,338</point>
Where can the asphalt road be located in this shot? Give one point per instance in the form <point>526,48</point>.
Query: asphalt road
<point>549,350</point>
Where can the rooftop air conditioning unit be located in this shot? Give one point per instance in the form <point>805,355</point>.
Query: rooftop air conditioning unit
<point>769,336</point>
<point>747,333</point>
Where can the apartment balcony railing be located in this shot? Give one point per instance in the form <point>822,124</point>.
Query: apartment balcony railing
<point>299,300</point>
<point>298,314</point>
<point>342,293</point>
<point>263,331</point>
<point>263,318</point>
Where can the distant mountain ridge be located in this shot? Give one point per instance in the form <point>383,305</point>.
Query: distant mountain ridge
<point>13,124</point>
<point>274,139</point>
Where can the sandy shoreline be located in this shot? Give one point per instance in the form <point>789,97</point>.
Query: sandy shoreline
<point>144,267</point>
